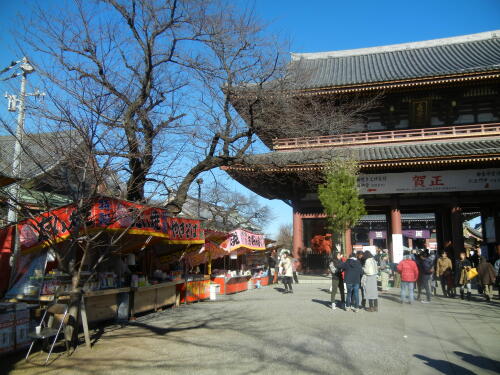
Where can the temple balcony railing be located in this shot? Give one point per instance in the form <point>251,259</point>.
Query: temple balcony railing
<point>391,136</point>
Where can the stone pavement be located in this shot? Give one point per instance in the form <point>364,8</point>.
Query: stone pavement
<point>266,332</point>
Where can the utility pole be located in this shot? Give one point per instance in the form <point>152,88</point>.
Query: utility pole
<point>18,104</point>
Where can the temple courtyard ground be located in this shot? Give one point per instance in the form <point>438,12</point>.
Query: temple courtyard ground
<point>266,332</point>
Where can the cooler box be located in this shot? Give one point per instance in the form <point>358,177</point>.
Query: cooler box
<point>22,325</point>
<point>7,327</point>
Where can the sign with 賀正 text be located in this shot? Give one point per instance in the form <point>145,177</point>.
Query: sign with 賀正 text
<point>430,181</point>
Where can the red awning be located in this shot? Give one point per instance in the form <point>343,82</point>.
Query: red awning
<point>134,221</point>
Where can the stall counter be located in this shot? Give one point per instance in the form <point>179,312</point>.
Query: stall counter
<point>230,285</point>
<point>153,297</point>
<point>103,304</point>
<point>195,290</point>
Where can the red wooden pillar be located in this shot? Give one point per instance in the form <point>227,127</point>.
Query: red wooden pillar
<point>396,234</point>
<point>348,242</point>
<point>298,242</point>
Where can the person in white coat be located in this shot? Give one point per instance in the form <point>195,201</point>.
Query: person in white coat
<point>369,281</point>
<point>287,272</point>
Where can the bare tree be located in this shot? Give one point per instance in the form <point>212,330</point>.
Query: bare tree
<point>177,88</point>
<point>120,62</point>
<point>230,210</point>
<point>158,78</point>
<point>285,236</point>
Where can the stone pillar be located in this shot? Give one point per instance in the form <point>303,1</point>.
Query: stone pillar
<point>410,243</point>
<point>298,241</point>
<point>457,231</point>
<point>348,241</point>
<point>396,234</point>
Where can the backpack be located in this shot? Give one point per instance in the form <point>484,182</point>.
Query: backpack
<point>332,268</point>
<point>428,266</point>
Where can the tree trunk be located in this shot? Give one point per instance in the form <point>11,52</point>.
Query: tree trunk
<point>175,205</point>
<point>71,331</point>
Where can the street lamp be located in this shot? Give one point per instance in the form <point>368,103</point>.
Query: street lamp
<point>199,182</point>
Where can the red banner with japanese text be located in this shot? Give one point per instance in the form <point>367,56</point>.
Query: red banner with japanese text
<point>108,214</point>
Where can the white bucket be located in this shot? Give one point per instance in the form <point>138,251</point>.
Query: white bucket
<point>214,290</point>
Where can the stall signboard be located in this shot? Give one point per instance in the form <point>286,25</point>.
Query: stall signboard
<point>109,214</point>
<point>241,238</point>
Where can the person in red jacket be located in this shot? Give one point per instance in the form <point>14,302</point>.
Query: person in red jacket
<point>409,274</point>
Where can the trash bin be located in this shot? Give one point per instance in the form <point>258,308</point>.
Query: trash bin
<point>214,290</point>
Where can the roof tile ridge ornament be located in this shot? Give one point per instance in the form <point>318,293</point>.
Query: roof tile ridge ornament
<point>488,35</point>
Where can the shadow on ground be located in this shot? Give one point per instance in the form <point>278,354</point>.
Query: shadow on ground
<point>444,367</point>
<point>480,362</point>
<point>323,302</point>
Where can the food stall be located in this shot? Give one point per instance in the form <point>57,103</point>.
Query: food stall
<point>257,263</point>
<point>238,243</point>
<point>200,287</point>
<point>141,246</point>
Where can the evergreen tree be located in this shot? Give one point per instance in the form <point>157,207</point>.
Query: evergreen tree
<point>340,198</point>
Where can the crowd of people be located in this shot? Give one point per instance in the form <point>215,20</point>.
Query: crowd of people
<point>356,278</point>
<point>359,273</point>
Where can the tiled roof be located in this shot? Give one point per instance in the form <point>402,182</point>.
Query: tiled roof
<point>39,152</point>
<point>38,198</point>
<point>441,57</point>
<point>280,159</point>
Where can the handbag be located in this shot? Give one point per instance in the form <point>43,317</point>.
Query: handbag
<point>471,273</point>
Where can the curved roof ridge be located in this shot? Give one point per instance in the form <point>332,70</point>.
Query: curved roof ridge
<point>494,34</point>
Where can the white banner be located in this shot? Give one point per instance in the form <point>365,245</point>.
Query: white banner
<point>430,181</point>
<point>397,248</point>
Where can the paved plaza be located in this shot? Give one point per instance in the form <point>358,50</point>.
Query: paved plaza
<point>266,332</point>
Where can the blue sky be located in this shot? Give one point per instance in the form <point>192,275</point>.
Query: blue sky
<point>322,25</point>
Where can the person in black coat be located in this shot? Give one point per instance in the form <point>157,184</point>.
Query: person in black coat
<point>272,266</point>
<point>352,277</point>
<point>425,272</point>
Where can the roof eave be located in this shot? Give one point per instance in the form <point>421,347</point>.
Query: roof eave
<point>403,83</point>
